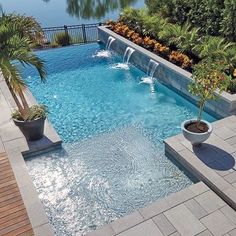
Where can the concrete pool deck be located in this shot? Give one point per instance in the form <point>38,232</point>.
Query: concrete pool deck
<point>196,210</point>
<point>214,161</point>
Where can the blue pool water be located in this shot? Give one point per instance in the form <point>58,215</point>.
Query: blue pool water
<point>112,161</point>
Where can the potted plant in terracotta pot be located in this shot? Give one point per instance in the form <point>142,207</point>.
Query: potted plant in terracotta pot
<point>17,35</point>
<point>209,80</point>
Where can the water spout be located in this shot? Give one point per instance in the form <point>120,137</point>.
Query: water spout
<point>149,79</point>
<point>152,66</point>
<point>128,53</point>
<point>109,42</point>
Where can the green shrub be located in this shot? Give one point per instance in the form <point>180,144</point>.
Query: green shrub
<point>34,112</point>
<point>228,24</point>
<point>62,39</point>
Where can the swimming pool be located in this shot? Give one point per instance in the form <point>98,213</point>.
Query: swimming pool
<point>113,127</point>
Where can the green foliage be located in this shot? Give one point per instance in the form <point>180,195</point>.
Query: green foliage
<point>214,47</point>
<point>33,113</point>
<point>208,77</point>
<point>228,24</point>
<point>213,17</point>
<point>183,37</point>
<point>16,38</point>
<point>62,39</point>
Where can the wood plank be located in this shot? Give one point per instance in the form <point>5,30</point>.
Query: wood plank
<point>25,230</point>
<point>14,219</point>
<point>7,179</point>
<point>7,202</point>
<point>15,225</point>
<point>28,233</point>
<point>9,191</point>
<point>5,208</point>
<point>5,164</point>
<point>9,196</point>
<point>3,176</point>
<point>7,183</point>
<point>12,210</point>
<point>12,216</point>
<point>2,190</point>
<point>4,161</point>
<point>6,171</point>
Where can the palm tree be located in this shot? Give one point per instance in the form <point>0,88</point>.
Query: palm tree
<point>17,34</point>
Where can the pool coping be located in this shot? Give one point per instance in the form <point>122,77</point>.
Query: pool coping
<point>213,162</point>
<point>222,107</point>
<point>198,205</point>
<point>17,148</point>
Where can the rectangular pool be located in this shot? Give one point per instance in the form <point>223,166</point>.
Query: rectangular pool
<point>113,127</point>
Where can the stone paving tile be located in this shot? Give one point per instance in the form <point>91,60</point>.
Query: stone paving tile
<point>104,231</point>
<point>195,208</point>
<point>154,209</point>
<point>164,224</point>
<point>146,228</point>
<point>199,188</point>
<point>231,140</point>
<point>231,177</point>
<point>232,232</point>
<point>205,233</point>
<point>205,152</point>
<point>220,145</point>
<point>220,168</point>
<point>190,226</point>
<point>175,234</point>
<point>175,144</point>
<point>179,197</point>
<point>224,133</point>
<point>127,222</point>
<point>43,230</point>
<point>229,213</point>
<point>217,223</point>
<point>210,201</point>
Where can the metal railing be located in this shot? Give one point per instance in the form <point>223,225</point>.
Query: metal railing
<point>85,33</point>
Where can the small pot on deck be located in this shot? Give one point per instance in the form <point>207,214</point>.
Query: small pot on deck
<point>196,134</point>
<point>32,130</point>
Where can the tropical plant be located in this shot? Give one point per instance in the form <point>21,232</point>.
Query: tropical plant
<point>208,78</point>
<point>214,47</point>
<point>62,39</point>
<point>15,41</point>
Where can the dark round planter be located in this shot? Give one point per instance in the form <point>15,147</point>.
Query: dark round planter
<point>32,130</point>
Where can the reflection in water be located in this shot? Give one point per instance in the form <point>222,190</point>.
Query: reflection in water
<point>96,9</point>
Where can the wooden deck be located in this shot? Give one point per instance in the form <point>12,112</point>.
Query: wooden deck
<point>14,219</point>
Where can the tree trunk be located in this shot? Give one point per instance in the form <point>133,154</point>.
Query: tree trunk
<point>20,107</point>
<point>24,102</point>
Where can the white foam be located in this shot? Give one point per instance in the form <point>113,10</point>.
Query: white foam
<point>103,53</point>
<point>148,80</point>
<point>122,66</point>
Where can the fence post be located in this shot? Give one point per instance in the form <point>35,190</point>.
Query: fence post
<point>66,29</point>
<point>84,33</point>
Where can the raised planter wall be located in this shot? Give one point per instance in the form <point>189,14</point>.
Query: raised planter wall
<point>167,73</point>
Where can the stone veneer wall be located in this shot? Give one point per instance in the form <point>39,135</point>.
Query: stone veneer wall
<point>168,73</point>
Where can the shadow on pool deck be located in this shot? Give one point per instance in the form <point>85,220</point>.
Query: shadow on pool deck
<point>214,157</point>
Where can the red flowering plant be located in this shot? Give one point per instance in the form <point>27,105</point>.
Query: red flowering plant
<point>209,80</point>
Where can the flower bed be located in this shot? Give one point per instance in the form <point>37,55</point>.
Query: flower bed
<point>176,57</point>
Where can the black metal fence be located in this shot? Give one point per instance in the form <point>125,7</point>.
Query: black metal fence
<point>85,33</point>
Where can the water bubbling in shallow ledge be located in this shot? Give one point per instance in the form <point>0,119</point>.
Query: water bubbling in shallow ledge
<point>121,66</point>
<point>103,53</point>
